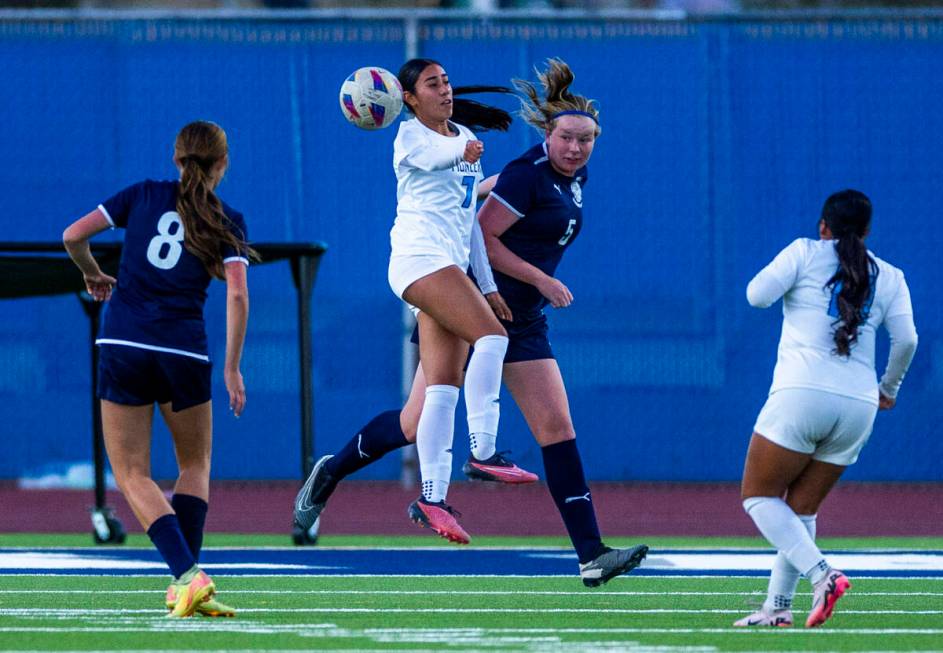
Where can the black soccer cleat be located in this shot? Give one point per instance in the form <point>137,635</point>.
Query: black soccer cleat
<point>311,499</point>
<point>611,563</point>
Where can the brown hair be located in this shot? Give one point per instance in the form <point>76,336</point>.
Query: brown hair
<point>555,80</point>
<point>201,152</point>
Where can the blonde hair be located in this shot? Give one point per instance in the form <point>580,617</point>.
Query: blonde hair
<point>557,98</point>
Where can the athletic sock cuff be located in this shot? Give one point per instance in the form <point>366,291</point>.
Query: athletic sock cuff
<point>494,345</point>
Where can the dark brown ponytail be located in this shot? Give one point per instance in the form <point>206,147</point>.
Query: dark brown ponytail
<point>847,214</point>
<point>470,113</point>
<point>201,152</point>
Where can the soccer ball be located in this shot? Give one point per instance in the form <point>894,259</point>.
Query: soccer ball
<point>371,98</point>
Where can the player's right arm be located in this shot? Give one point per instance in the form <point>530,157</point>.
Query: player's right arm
<point>776,279</point>
<point>495,219</point>
<point>75,239</point>
<point>413,149</point>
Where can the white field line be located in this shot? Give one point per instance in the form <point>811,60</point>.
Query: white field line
<point>661,579</point>
<point>224,625</point>
<point>79,612</point>
<point>584,593</point>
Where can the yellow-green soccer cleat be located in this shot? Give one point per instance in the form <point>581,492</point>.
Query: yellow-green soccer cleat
<point>209,608</point>
<point>193,588</point>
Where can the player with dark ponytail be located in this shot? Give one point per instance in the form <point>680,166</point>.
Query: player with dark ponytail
<point>437,160</point>
<point>824,396</point>
<point>847,215</point>
<point>153,348</point>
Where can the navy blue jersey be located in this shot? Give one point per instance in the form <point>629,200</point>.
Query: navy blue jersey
<point>158,302</point>
<point>549,207</point>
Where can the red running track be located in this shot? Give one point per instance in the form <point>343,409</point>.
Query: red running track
<point>358,507</point>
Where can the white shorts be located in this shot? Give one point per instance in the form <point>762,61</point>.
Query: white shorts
<point>831,427</point>
<point>404,270</point>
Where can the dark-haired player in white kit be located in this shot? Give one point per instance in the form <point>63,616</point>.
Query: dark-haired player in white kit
<point>533,215</point>
<point>153,348</point>
<point>824,395</point>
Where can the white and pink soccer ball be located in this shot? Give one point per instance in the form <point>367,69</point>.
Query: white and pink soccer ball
<point>371,98</point>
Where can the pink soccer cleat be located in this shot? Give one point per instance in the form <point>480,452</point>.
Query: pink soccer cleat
<point>497,469</point>
<point>825,595</point>
<point>440,518</point>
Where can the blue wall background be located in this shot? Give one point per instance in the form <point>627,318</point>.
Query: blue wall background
<point>721,140</point>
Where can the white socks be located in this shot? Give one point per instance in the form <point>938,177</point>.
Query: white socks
<point>786,532</point>
<point>482,387</point>
<point>784,577</point>
<point>434,440</point>
<point>482,445</point>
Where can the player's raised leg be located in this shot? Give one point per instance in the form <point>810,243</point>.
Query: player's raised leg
<point>388,431</point>
<point>443,354</point>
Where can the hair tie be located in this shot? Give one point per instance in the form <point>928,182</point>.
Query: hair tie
<point>203,162</point>
<point>574,112</point>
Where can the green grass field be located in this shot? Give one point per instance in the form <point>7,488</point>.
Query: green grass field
<point>434,613</point>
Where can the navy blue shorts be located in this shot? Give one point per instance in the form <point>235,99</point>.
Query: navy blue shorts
<point>527,340</point>
<point>139,377</point>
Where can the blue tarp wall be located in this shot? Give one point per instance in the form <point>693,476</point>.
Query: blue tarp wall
<point>721,140</point>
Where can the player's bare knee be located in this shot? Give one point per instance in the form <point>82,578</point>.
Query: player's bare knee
<point>802,505</point>
<point>195,469</point>
<point>555,433</point>
<point>410,425</point>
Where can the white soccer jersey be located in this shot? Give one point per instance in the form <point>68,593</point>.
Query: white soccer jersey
<point>798,274</point>
<point>436,192</point>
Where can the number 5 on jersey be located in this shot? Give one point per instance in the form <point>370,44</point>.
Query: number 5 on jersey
<point>165,248</point>
<point>569,232</point>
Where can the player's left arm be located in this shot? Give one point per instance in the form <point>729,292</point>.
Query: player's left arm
<point>237,319</point>
<point>495,219</point>
<point>75,239</point>
<point>899,323</point>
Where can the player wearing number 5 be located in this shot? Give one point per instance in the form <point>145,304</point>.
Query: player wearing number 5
<point>533,215</point>
<point>825,393</point>
<point>153,348</point>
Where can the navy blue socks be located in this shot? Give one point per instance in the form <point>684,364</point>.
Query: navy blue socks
<point>191,513</point>
<point>567,484</point>
<point>380,436</point>
<point>166,535</point>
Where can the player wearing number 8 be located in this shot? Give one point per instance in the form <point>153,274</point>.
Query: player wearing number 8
<point>824,395</point>
<point>152,342</point>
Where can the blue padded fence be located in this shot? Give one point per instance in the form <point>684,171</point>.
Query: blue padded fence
<point>721,140</point>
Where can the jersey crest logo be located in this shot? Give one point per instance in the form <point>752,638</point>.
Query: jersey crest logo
<point>577,191</point>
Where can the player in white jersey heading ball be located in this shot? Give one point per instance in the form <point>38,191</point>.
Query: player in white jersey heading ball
<point>825,393</point>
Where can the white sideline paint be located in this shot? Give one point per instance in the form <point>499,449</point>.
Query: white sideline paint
<point>581,593</point>
<point>847,562</point>
<point>47,560</point>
